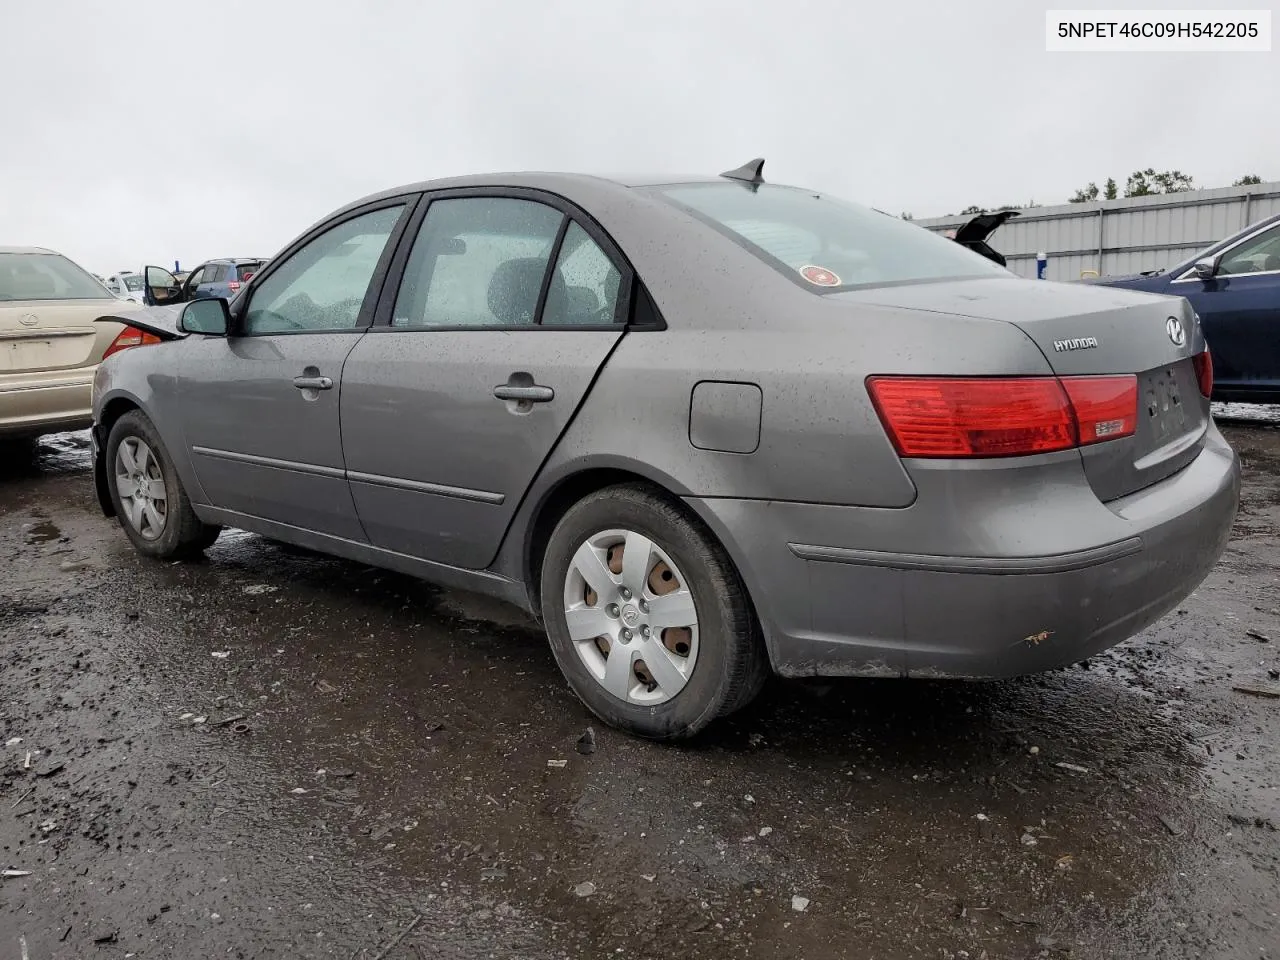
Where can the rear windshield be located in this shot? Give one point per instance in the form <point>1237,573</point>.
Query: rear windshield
<point>823,243</point>
<point>46,276</point>
<point>133,281</point>
<point>246,270</point>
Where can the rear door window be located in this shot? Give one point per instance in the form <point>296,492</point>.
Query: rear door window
<point>478,262</point>
<point>585,286</point>
<point>245,271</point>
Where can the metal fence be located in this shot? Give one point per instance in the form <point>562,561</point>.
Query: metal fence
<point>1113,237</point>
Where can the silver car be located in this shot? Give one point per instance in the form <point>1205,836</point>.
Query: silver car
<point>704,429</point>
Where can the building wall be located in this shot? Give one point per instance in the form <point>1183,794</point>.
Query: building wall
<point>1116,237</point>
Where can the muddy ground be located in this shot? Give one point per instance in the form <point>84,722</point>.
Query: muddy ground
<point>276,754</point>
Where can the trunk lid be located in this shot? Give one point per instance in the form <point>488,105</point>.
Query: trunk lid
<point>51,335</point>
<point>1088,330</point>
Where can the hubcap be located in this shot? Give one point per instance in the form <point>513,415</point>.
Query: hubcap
<point>140,485</point>
<point>631,617</point>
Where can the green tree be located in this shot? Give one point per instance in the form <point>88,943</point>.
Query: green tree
<point>1109,191</point>
<point>1085,194</point>
<point>1248,180</point>
<point>1145,183</point>
<point>972,211</point>
<point>907,216</point>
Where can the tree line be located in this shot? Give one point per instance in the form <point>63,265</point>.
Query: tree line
<point>1141,183</point>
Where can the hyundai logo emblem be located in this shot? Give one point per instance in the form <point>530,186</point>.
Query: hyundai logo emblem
<point>28,319</point>
<point>1173,327</point>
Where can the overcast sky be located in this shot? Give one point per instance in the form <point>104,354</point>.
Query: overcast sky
<point>153,130</point>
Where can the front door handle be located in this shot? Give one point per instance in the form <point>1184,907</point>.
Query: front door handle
<point>313,383</point>
<point>529,394</point>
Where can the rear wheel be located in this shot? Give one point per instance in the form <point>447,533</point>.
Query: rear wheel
<point>149,500</point>
<point>647,617</point>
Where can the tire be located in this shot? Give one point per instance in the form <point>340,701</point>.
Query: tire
<point>725,665</point>
<point>180,534</point>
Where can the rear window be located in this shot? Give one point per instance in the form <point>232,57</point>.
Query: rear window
<point>246,270</point>
<point>133,281</point>
<point>822,243</point>
<point>46,276</point>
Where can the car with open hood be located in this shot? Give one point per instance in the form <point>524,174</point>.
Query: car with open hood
<point>704,428</point>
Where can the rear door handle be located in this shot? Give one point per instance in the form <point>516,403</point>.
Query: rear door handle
<point>533,394</point>
<point>313,383</point>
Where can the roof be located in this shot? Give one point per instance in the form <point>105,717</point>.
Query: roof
<point>26,250</point>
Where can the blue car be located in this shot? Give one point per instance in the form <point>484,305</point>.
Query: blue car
<point>1235,288</point>
<point>214,278</point>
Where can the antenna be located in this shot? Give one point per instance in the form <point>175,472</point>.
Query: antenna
<point>749,172</point>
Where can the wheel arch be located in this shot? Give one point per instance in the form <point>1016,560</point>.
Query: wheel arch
<point>112,410</point>
<point>585,479</point>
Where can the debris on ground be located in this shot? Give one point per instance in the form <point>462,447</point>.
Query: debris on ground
<point>225,721</point>
<point>765,831</point>
<point>587,742</point>
<point>1259,636</point>
<point>50,767</point>
<point>799,904</point>
<point>558,764</point>
<point>260,589</point>
<point>585,889</point>
<point>1014,918</point>
<point>417,919</point>
<point>1172,827</point>
<point>220,654</point>
<point>1074,767</point>
<point>16,873</point>
<point>1271,693</point>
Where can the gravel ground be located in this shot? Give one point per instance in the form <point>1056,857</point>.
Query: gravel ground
<point>276,754</point>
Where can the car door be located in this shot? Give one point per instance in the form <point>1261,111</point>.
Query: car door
<point>160,287</point>
<point>1240,309</point>
<point>507,304</point>
<point>194,279</point>
<point>260,407</point>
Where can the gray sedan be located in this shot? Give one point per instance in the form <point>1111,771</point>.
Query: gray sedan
<point>704,429</point>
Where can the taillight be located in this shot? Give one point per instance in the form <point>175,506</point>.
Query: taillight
<point>956,417</point>
<point>1106,408</point>
<point>234,285</point>
<point>1204,372</point>
<point>130,337</point>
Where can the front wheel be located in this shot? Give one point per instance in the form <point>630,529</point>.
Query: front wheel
<point>149,500</point>
<point>647,617</point>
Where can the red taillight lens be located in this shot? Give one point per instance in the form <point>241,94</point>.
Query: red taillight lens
<point>946,417</point>
<point>1204,372</point>
<point>130,337</point>
<point>1002,417</point>
<point>234,285</point>
<point>1106,408</point>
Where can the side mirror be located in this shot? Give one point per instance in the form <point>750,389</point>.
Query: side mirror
<point>1207,268</point>
<point>209,316</point>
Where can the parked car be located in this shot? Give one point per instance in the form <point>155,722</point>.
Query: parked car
<point>126,285</point>
<point>49,344</point>
<point>702,429</point>
<point>1234,286</point>
<point>215,278</point>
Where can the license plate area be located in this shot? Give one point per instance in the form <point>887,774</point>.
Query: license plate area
<point>1163,411</point>
<point>24,354</point>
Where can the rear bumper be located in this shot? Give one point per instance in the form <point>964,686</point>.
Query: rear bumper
<point>33,408</point>
<point>835,599</point>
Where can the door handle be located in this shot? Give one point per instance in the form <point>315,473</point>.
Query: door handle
<point>313,383</point>
<point>530,394</point>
